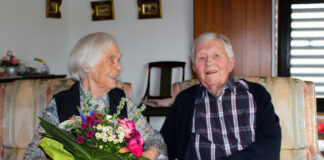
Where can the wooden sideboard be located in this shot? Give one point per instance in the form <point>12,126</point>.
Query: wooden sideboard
<point>45,76</point>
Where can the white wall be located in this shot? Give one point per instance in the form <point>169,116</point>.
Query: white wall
<point>25,30</point>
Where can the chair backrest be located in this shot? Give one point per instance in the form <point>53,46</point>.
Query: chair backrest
<point>295,104</point>
<point>165,77</point>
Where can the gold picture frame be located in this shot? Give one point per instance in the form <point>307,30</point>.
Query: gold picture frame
<point>102,10</point>
<point>53,8</point>
<point>149,9</point>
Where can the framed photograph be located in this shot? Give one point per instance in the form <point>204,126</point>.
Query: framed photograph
<point>102,10</point>
<point>53,8</point>
<point>149,9</point>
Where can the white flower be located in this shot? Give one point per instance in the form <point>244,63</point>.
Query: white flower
<point>110,139</point>
<point>108,117</point>
<point>99,127</point>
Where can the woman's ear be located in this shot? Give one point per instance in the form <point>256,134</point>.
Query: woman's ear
<point>85,69</point>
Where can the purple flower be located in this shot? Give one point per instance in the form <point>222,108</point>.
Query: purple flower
<point>84,125</point>
<point>98,121</point>
<point>91,124</point>
<point>92,112</point>
<point>90,133</point>
<point>82,117</point>
<point>80,139</point>
<point>89,119</point>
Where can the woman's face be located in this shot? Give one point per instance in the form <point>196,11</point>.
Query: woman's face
<point>105,73</point>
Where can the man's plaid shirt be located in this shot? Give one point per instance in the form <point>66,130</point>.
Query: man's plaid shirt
<point>225,124</point>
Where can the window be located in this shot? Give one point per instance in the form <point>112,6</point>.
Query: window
<point>301,43</point>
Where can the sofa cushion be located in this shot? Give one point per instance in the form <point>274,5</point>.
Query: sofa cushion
<point>21,103</point>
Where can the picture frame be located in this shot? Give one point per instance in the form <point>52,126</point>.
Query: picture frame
<point>53,8</point>
<point>149,9</point>
<point>102,10</point>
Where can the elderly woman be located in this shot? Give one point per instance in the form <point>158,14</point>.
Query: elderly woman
<point>94,62</point>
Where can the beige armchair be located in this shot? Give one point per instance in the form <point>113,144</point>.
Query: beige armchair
<point>295,103</point>
<point>21,102</point>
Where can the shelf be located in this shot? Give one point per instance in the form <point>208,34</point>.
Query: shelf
<point>44,76</point>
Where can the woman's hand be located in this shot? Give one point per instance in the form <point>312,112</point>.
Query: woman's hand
<point>152,153</point>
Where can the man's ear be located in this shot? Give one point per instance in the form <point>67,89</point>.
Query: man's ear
<point>193,67</point>
<point>232,63</point>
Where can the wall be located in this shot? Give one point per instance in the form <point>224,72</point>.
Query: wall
<point>25,29</point>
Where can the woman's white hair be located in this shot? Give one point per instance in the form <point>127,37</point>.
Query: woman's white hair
<point>207,36</point>
<point>87,52</point>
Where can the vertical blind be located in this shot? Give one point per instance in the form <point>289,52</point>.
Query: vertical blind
<point>307,44</point>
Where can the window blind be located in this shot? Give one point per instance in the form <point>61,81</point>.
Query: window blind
<point>307,44</point>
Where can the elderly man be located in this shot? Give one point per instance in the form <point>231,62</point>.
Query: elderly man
<point>221,118</point>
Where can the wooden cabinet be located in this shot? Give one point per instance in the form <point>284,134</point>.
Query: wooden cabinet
<point>247,23</point>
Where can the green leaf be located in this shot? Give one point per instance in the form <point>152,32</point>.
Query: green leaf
<point>67,139</point>
<point>80,151</point>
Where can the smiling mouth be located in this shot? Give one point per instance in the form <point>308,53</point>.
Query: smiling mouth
<point>113,77</point>
<point>211,72</point>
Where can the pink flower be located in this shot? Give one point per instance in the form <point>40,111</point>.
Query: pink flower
<point>5,58</point>
<point>122,122</point>
<point>134,147</point>
<point>90,133</point>
<point>80,139</point>
<point>134,144</point>
<point>9,52</point>
<point>130,125</point>
<point>14,61</point>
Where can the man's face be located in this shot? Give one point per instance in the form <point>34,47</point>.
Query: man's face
<point>107,70</point>
<point>212,65</point>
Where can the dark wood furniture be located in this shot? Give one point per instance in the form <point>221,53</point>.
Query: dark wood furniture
<point>247,23</point>
<point>45,76</point>
<point>165,87</point>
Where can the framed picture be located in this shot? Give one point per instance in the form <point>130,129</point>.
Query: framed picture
<point>149,9</point>
<point>102,10</point>
<point>53,8</point>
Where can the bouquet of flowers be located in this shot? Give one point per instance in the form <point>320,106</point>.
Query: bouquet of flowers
<point>94,135</point>
<point>9,60</point>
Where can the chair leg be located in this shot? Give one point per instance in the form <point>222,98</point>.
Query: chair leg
<point>148,118</point>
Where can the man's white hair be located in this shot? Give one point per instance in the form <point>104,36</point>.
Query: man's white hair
<point>207,36</point>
